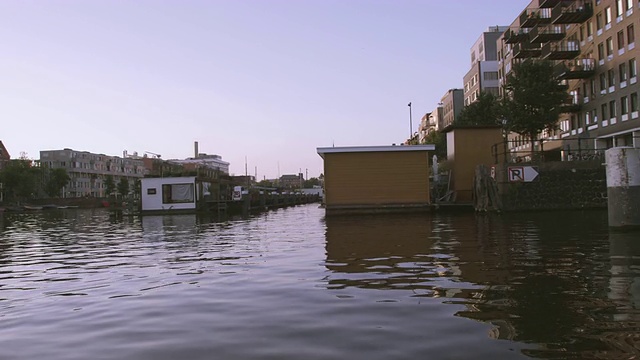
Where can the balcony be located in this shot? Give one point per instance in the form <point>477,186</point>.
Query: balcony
<point>526,50</point>
<point>576,13</point>
<point>516,36</point>
<point>570,108</point>
<point>548,3</point>
<point>575,69</point>
<point>532,17</point>
<point>543,34</point>
<point>562,50</point>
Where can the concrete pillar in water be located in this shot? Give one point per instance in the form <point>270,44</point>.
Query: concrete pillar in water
<point>623,187</point>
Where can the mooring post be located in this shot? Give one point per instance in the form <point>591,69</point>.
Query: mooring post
<point>623,187</point>
<point>246,204</point>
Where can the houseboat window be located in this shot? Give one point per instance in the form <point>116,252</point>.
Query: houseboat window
<point>151,191</point>
<point>177,193</point>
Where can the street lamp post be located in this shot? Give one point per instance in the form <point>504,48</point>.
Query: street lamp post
<point>410,124</point>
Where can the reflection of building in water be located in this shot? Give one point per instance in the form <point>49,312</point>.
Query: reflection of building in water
<point>170,224</point>
<point>624,284</point>
<point>392,252</point>
<point>380,251</point>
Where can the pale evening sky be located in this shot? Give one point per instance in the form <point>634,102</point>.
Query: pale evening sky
<point>269,80</point>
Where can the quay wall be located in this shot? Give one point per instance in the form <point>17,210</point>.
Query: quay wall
<point>566,185</point>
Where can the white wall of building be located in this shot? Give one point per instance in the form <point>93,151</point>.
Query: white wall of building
<point>152,196</point>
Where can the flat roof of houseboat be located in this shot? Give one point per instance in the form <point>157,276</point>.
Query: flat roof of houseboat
<point>385,148</point>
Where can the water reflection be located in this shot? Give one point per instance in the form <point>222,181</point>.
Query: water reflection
<point>389,252</point>
<point>558,280</point>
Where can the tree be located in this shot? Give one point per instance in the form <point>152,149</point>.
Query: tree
<point>123,187</point>
<point>265,183</point>
<point>58,178</point>
<point>109,185</point>
<point>19,179</point>
<point>484,111</point>
<point>137,188</point>
<point>310,183</point>
<point>533,99</point>
<point>439,140</point>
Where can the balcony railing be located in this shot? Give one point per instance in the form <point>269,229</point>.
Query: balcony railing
<point>526,50</point>
<point>532,17</point>
<point>562,50</point>
<point>575,69</point>
<point>516,35</point>
<point>576,13</point>
<point>570,107</point>
<point>548,3</point>
<point>546,33</point>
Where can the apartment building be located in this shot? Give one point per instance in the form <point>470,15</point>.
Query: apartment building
<point>429,123</point>
<point>592,45</point>
<point>88,171</point>
<point>483,75</point>
<point>213,162</point>
<point>203,162</point>
<point>452,103</point>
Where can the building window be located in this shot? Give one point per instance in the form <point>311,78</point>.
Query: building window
<point>601,52</point>
<point>599,22</point>
<point>177,193</point>
<point>604,111</point>
<point>589,29</point>
<point>624,106</point>
<point>603,82</point>
<point>607,15</point>
<point>631,36</point>
<point>620,39</point>
<point>619,8</point>
<point>612,109</point>
<point>629,5</point>
<point>622,70</point>
<point>491,75</point>
<point>611,76</point>
<point>609,46</point>
<point>634,102</point>
<point>593,88</point>
<point>632,68</point>
<point>151,191</point>
<point>594,116</point>
<point>587,118</point>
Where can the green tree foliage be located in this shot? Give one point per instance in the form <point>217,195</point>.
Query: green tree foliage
<point>19,180</point>
<point>484,111</point>
<point>109,185</point>
<point>533,98</point>
<point>310,183</point>
<point>440,141</point>
<point>57,179</point>
<point>123,187</point>
<point>265,183</point>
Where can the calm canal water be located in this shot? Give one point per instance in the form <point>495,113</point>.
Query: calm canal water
<point>292,284</point>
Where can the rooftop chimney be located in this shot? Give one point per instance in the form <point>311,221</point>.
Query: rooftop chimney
<point>195,148</point>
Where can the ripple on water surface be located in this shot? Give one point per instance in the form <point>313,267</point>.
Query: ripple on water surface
<point>291,284</point>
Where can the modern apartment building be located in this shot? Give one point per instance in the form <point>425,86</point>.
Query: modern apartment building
<point>430,122</point>
<point>592,46</point>
<point>452,103</point>
<point>88,171</point>
<point>483,75</point>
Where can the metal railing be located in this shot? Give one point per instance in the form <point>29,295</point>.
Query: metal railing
<point>576,149</point>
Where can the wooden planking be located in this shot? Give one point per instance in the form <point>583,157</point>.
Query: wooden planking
<point>377,178</point>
